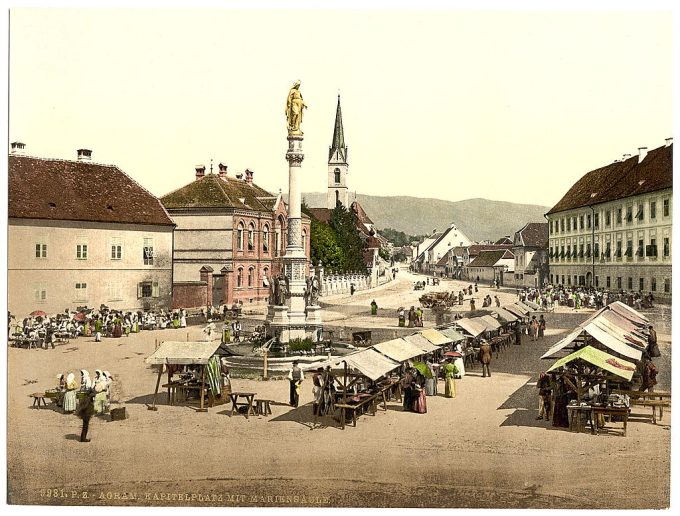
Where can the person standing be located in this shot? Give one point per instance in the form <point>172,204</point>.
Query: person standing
<point>317,390</point>
<point>419,399</point>
<point>407,389</point>
<point>295,377</point>
<point>652,345</point>
<point>85,412</point>
<point>534,328</point>
<point>431,382</point>
<point>472,305</point>
<point>498,301</point>
<point>70,395</point>
<point>450,372</point>
<point>411,317</point>
<point>374,308</point>
<point>543,386</point>
<point>541,327</point>
<point>485,358</point>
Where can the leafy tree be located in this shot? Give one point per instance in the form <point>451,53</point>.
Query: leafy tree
<point>344,223</point>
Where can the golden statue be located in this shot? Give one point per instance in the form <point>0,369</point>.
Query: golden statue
<point>294,107</point>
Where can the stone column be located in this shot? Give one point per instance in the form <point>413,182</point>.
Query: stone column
<point>294,260</point>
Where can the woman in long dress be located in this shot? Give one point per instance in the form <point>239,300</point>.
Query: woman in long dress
<point>85,381</point>
<point>420,399</point>
<point>100,387</point>
<point>70,394</point>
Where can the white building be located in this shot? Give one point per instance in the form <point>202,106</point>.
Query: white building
<point>433,249</point>
<point>613,228</point>
<point>84,234</point>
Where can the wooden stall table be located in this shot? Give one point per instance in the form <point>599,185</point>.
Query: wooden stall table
<point>576,423</point>
<point>358,408</point>
<point>263,407</point>
<point>172,391</point>
<point>621,412</point>
<point>182,391</point>
<point>38,398</point>
<point>648,399</point>
<point>249,397</point>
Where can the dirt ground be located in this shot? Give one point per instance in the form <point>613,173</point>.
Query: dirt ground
<point>484,448</point>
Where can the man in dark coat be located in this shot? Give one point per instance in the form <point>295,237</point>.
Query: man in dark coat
<point>85,412</point>
<point>485,358</point>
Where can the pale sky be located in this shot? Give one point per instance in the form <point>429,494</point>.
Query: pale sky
<point>448,104</point>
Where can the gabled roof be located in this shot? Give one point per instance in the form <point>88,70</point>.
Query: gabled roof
<point>361,213</point>
<point>442,236</point>
<point>620,180</point>
<point>443,260</point>
<point>321,214</point>
<point>504,240</point>
<point>55,189</point>
<point>213,191</point>
<point>490,258</point>
<point>534,234</point>
<point>475,249</point>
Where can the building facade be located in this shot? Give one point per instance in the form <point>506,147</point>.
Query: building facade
<point>84,234</point>
<point>613,228</point>
<point>491,265</point>
<point>229,240</point>
<point>530,247</point>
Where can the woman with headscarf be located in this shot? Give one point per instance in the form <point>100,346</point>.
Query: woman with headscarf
<point>100,387</point>
<point>419,397</point>
<point>109,388</point>
<point>85,381</point>
<point>70,394</point>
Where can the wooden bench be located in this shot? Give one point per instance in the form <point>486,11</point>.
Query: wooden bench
<point>263,407</point>
<point>648,399</point>
<point>38,398</point>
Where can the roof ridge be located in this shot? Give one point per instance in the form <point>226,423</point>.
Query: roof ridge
<point>147,191</point>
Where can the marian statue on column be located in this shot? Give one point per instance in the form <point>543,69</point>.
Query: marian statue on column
<point>294,107</point>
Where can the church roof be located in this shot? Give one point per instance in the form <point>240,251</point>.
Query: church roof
<point>57,189</point>
<point>338,144</point>
<point>361,213</point>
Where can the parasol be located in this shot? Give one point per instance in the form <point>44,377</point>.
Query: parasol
<point>80,317</point>
<point>453,354</point>
<point>423,369</point>
<point>38,313</point>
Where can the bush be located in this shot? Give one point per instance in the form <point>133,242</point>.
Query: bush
<point>301,345</point>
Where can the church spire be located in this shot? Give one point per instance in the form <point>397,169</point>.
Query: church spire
<point>338,145</point>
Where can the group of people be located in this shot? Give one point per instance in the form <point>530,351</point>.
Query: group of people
<point>413,391</point>
<point>583,297</point>
<point>536,327</point>
<point>489,302</point>
<point>415,317</point>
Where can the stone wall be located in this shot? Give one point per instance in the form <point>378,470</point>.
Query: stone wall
<point>189,294</point>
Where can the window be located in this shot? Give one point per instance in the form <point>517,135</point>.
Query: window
<point>337,176</point>
<point>148,252</point>
<point>608,250</point>
<point>115,291</point>
<point>40,293</point>
<point>581,222</point>
<point>618,248</point>
<point>239,237</point>
<point>640,215</point>
<point>81,251</point>
<point>116,249</point>
<point>596,221</point>
<point>618,282</point>
<point>609,281</point>
<point>630,283</point>
<point>551,231</point>
<point>596,250</point>
<point>651,248</point>
<point>239,277</point>
<point>561,251</point>
<point>588,221</point>
<point>619,214</point>
<point>667,285</point>
<point>265,239</point>
<point>580,251</point>
<point>629,249</point>
<point>144,289</point>
<point>666,207</point>
<point>642,284</point>
<point>277,242</point>
<point>569,224</point>
<point>251,237</point>
<point>574,223</point>
<point>629,214</point>
<point>265,276</point>
<point>607,218</point>
<point>641,249</point>
<point>666,247</point>
<point>562,280</point>
<point>81,292</point>
<point>251,274</point>
<point>568,280</point>
<point>562,225</point>
<point>587,250</point>
<point>304,239</point>
<point>652,209</point>
<point>41,250</point>
<point>597,281</point>
<point>653,287</point>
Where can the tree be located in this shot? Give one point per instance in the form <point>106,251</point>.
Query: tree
<point>344,223</point>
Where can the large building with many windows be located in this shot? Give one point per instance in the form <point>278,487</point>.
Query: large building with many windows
<point>613,228</point>
<point>83,234</point>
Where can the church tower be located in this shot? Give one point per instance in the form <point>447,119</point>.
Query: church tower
<point>337,165</point>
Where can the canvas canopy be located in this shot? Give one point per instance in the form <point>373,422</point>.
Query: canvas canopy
<point>398,349</point>
<point>492,323</point>
<point>620,321</point>
<point>629,313</point>
<point>619,332</point>
<point>612,342</point>
<point>505,315</point>
<point>370,363</point>
<point>600,359</point>
<point>563,343</point>
<point>473,328</point>
<point>524,306</point>
<point>516,310</point>
<point>421,342</point>
<point>452,334</point>
<point>435,337</point>
<point>183,353</point>
<point>532,305</point>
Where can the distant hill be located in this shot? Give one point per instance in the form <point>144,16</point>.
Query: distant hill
<point>480,219</point>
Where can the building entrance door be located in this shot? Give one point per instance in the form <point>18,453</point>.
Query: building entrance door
<point>218,289</point>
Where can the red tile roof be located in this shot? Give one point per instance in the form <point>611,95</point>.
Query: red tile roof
<point>321,214</point>
<point>56,189</point>
<point>535,234</point>
<point>620,180</point>
<point>490,258</point>
<point>361,213</point>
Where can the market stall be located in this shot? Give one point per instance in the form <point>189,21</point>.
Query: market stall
<point>197,366</point>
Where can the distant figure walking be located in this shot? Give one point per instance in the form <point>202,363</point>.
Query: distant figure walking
<point>485,358</point>
<point>295,376</point>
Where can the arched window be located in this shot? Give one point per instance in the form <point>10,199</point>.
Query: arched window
<point>337,176</point>
<point>251,237</point>
<point>304,239</point>
<point>239,277</point>
<point>265,277</point>
<point>265,239</point>
<point>251,274</point>
<point>239,236</point>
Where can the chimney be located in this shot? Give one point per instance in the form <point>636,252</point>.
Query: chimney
<point>200,171</point>
<point>643,153</point>
<point>626,156</point>
<point>222,170</point>
<point>239,176</point>
<point>84,155</point>
<point>19,148</point>
<point>669,142</point>
<point>249,177</point>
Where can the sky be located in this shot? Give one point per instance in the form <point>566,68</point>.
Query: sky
<point>443,103</point>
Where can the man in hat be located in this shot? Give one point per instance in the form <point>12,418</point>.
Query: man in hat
<point>295,376</point>
<point>85,412</point>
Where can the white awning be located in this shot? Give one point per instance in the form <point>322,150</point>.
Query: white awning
<point>421,342</point>
<point>183,353</point>
<point>561,344</point>
<point>630,314</point>
<point>471,327</point>
<point>370,363</point>
<point>492,323</point>
<point>610,341</point>
<point>624,336</point>
<point>398,349</point>
<point>435,337</point>
<point>505,314</point>
<point>518,311</point>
